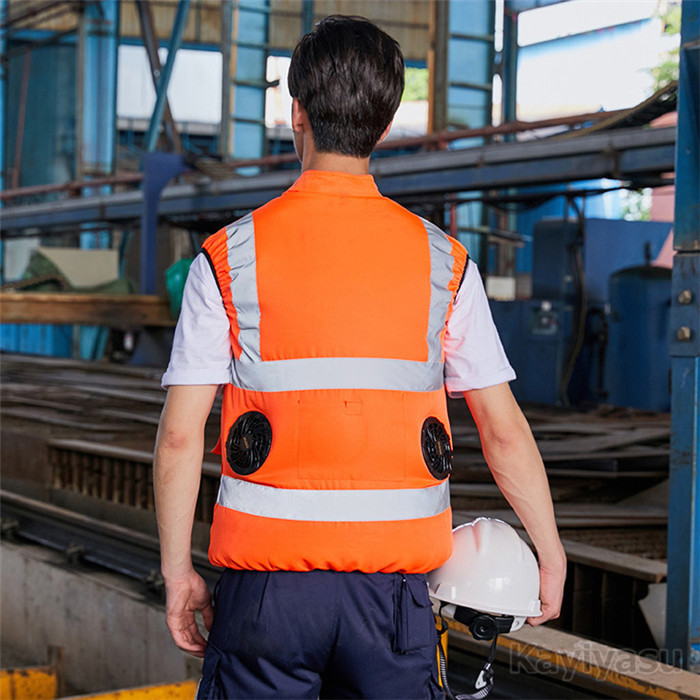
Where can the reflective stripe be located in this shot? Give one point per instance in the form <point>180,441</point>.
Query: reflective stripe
<point>338,373</point>
<point>441,262</point>
<point>321,505</point>
<point>244,285</point>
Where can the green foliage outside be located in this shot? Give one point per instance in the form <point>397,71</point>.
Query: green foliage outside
<point>416,85</point>
<point>636,205</point>
<point>667,70</point>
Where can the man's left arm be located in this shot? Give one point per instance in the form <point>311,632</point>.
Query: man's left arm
<point>515,462</point>
<point>478,369</point>
<point>177,473</point>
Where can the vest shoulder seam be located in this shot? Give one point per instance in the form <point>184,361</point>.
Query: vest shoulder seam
<point>205,252</point>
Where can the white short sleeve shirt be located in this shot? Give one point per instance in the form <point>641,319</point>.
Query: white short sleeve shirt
<point>201,354</point>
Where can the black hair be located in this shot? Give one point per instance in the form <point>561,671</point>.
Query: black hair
<point>349,76</point>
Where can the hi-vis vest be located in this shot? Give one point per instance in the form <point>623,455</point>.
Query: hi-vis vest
<point>335,415</point>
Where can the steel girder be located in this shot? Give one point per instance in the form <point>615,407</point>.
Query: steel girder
<point>622,154</point>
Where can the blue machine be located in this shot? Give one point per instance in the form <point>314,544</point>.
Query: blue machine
<point>638,363</point>
<point>532,333</point>
<point>564,343</point>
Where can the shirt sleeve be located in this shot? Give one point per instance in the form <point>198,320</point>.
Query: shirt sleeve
<point>474,355</point>
<point>201,351</point>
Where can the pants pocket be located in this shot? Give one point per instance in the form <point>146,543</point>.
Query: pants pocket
<point>414,625</point>
<point>207,687</point>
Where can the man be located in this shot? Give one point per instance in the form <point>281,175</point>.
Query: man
<point>334,318</point>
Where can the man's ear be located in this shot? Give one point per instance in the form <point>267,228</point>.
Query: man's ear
<point>299,118</point>
<point>385,133</point>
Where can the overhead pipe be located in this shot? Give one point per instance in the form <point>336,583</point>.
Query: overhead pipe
<point>77,186</point>
<point>441,138</point>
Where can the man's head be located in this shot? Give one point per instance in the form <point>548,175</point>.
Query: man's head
<point>349,76</point>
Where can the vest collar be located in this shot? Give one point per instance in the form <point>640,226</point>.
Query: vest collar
<point>335,183</point>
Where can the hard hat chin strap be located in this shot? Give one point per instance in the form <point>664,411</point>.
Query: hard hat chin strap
<point>484,681</point>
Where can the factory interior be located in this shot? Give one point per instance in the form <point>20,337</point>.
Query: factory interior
<point>558,140</point>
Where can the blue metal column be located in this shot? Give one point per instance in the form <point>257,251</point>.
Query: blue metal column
<point>683,602</point>
<point>246,48</point>
<point>159,169</point>
<point>3,81</point>
<point>96,111</point>
<point>179,24</point>
<point>97,88</point>
<point>307,16</point>
<point>509,102</point>
<point>509,65</point>
<point>96,116</point>
<point>470,60</point>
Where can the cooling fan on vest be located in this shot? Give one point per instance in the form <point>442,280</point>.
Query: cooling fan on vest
<point>437,451</point>
<point>248,443</point>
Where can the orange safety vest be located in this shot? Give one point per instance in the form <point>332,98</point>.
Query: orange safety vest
<point>338,300</point>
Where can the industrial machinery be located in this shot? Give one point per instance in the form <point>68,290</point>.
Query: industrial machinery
<point>580,338</point>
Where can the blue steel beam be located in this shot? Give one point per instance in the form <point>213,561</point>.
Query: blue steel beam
<point>188,200</point>
<point>683,598</point>
<point>150,43</point>
<point>563,169</point>
<point>179,24</point>
<point>626,153</point>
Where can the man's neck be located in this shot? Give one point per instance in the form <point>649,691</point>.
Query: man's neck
<point>334,162</point>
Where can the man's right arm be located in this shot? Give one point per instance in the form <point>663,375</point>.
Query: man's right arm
<point>177,472</point>
<point>515,462</point>
<point>200,361</point>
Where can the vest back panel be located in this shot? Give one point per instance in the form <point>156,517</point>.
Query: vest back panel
<point>339,293</point>
<point>338,306</point>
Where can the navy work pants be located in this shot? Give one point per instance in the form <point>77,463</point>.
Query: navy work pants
<point>328,634</point>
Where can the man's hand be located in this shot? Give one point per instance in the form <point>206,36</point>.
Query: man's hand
<point>551,591</point>
<point>184,596</point>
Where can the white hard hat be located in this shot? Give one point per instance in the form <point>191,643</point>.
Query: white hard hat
<point>491,570</point>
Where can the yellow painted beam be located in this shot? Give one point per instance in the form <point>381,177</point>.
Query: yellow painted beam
<point>37,683</point>
<point>170,691</point>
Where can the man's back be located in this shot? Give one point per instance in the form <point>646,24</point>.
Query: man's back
<point>338,299</point>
